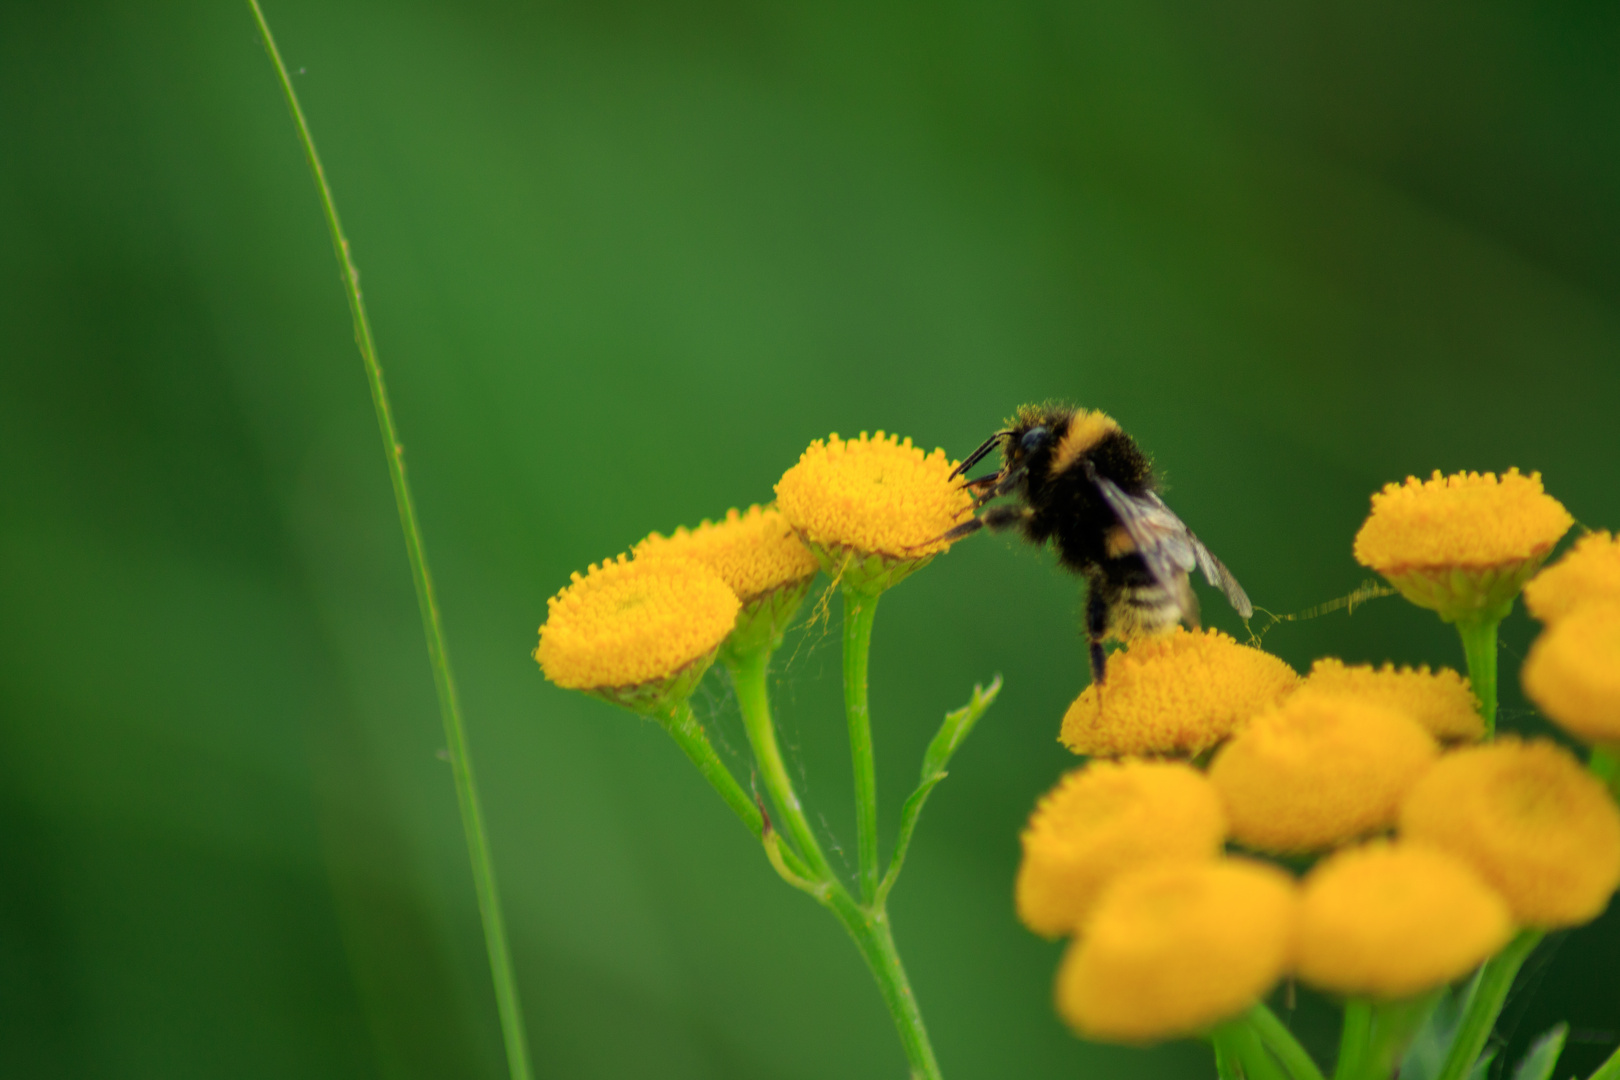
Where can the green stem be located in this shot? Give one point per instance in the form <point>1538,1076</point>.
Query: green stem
<point>1609,1070</point>
<point>869,927</point>
<point>748,677</point>
<point>689,735</point>
<point>1479,646</point>
<point>1281,1042</point>
<point>1237,1040</point>
<point>868,924</point>
<point>684,728</point>
<point>1393,1025</point>
<point>1354,1039</point>
<point>472,815</point>
<point>859,609</point>
<point>1490,992</point>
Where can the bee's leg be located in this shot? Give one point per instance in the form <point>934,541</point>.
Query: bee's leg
<point>981,488</point>
<point>998,518</point>
<point>1096,631</point>
<point>967,528</point>
<point>1007,482</point>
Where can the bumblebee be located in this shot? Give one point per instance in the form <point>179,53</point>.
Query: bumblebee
<point>1076,479</point>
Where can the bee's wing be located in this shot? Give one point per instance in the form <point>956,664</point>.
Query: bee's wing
<point>1167,546</point>
<point>1216,573</point>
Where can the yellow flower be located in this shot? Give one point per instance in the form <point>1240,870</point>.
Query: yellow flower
<point>1464,544</point>
<point>1174,948</point>
<point>638,633</point>
<point>754,553</point>
<point>1105,818</point>
<point>1536,826</point>
<point>1319,770</point>
<point>1392,920</point>
<point>1439,700</point>
<point>1588,572</point>
<point>1180,693</point>
<point>759,556</point>
<point>1573,672</point>
<point>872,509</point>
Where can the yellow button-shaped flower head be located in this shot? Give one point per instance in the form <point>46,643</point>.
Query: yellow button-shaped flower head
<point>1573,672</point>
<point>1465,544</point>
<point>1174,948</point>
<point>1106,818</point>
<point>1589,572</point>
<point>1180,693</point>
<point>1439,700</point>
<point>1392,920</point>
<point>637,633</point>
<point>759,556</point>
<point>1540,829</point>
<point>1319,770</point>
<point>872,509</point>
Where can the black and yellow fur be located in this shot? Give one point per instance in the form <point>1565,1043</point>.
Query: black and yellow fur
<point>1079,482</point>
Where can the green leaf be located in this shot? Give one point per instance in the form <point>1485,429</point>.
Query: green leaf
<point>1427,1052</point>
<point>1538,1064</point>
<point>952,732</point>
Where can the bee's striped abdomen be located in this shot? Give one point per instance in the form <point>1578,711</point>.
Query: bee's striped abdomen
<point>1148,609</point>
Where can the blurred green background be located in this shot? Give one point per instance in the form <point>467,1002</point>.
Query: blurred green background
<point>625,260</point>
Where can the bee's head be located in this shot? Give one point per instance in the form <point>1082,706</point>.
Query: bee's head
<point>1025,442</point>
<point>1025,438</point>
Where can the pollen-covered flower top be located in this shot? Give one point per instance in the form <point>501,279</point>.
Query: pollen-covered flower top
<point>877,495</point>
<point>1441,700</point>
<point>1588,572</point>
<point>627,623</point>
<point>754,552</point>
<point>1573,672</point>
<point>1392,920</point>
<point>1181,693</point>
<point>1175,947</point>
<point>1319,770</point>
<point>1535,825</point>
<point>1472,520</point>
<point>1106,818</point>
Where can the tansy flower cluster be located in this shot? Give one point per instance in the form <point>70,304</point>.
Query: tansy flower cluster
<point>641,630</point>
<point>870,509</point>
<point>1360,829</point>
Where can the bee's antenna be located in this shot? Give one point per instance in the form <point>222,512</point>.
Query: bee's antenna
<point>978,455</point>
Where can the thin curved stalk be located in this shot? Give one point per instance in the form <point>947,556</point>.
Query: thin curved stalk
<point>472,814</point>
